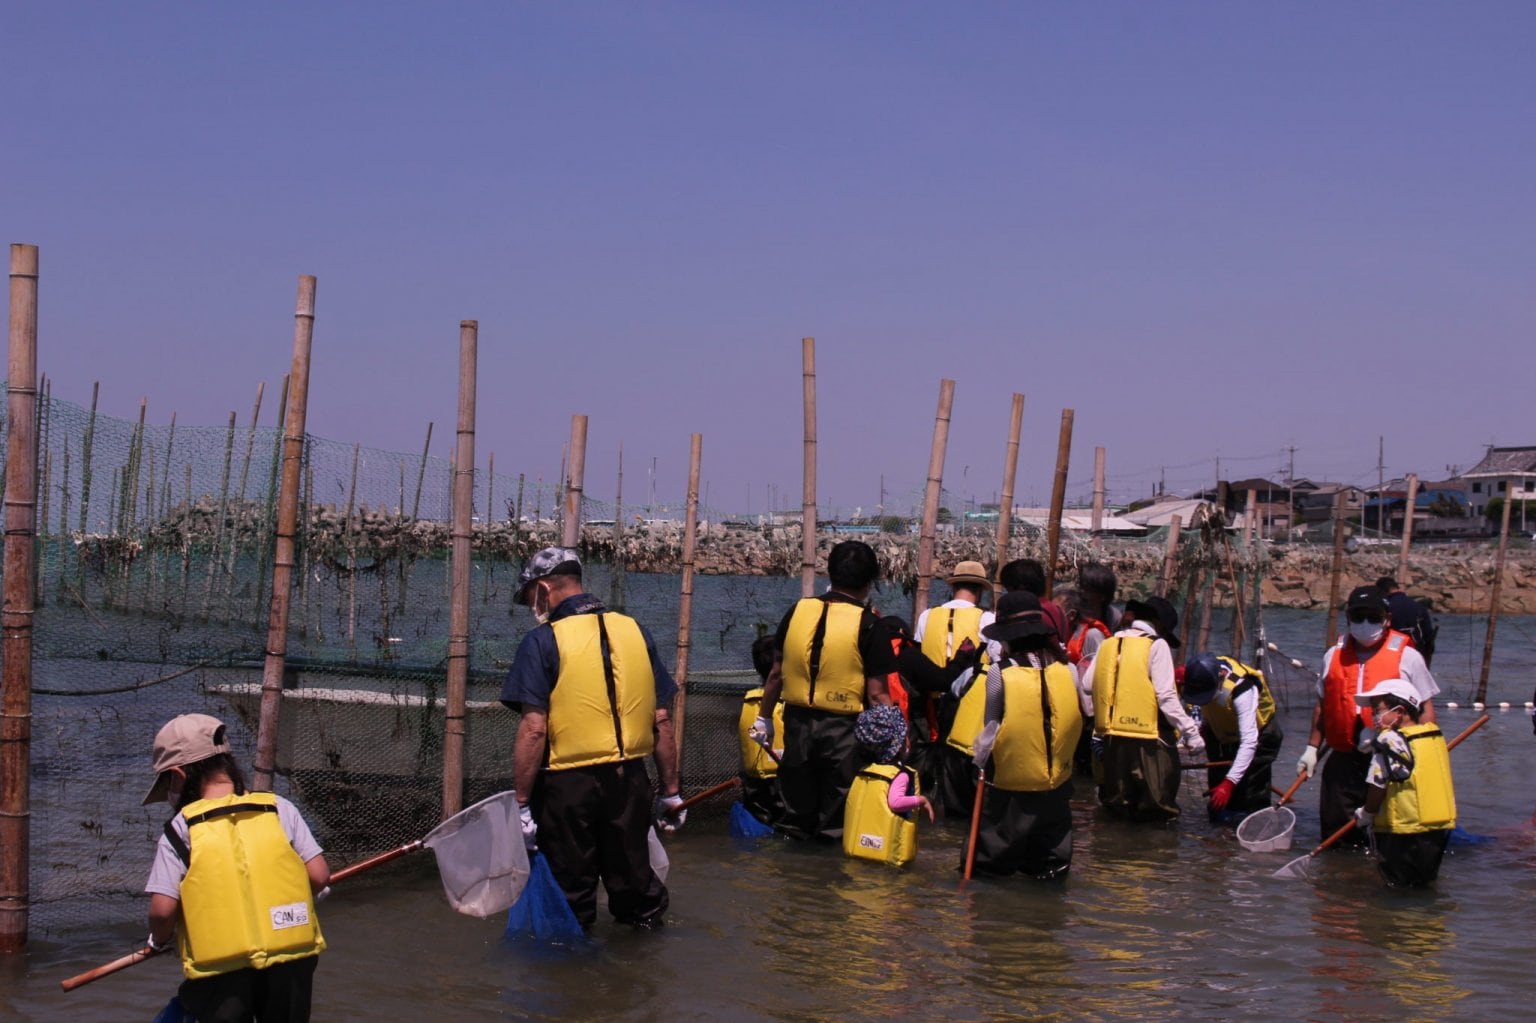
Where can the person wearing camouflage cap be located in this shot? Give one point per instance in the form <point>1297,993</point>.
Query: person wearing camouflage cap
<point>595,701</point>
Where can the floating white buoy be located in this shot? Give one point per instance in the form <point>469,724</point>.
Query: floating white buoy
<point>1529,705</point>
<point>1477,705</point>
<point>1452,706</point>
<point>1503,706</point>
<point>1296,664</point>
<point>1271,646</point>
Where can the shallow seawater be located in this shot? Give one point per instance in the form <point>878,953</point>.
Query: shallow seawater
<point>1154,922</point>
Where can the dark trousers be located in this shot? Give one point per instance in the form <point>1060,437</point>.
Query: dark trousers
<point>760,797</point>
<point>1342,788</point>
<point>1029,832</point>
<point>278,994</point>
<point>1141,779</point>
<point>593,823</point>
<point>1410,861</point>
<point>1252,793</point>
<point>821,756</point>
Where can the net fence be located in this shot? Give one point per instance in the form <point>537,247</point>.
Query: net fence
<point>154,551</point>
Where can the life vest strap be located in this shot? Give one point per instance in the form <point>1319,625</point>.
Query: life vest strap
<point>611,682</point>
<point>183,852</point>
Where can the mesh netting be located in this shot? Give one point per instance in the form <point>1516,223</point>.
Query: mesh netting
<point>154,557</point>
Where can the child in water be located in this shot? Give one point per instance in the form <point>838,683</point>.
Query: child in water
<point>877,821</point>
<point>234,881</point>
<point>1409,800</point>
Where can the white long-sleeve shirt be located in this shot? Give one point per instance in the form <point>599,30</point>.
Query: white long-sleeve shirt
<point>1160,667</point>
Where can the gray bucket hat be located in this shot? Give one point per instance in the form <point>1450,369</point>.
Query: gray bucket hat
<point>550,561</point>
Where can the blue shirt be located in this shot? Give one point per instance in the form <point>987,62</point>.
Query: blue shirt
<point>536,665</point>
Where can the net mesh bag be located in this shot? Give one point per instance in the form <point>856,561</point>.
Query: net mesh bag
<point>481,856</point>
<point>1267,830</point>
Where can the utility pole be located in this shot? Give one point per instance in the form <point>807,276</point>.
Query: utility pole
<point>1381,483</point>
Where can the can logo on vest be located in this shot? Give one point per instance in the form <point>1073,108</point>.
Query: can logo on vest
<point>876,842</point>
<point>295,914</point>
<point>836,697</point>
<point>1130,719</point>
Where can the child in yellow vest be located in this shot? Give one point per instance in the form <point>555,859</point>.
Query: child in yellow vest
<point>233,881</point>
<point>878,819</point>
<point>1409,800</point>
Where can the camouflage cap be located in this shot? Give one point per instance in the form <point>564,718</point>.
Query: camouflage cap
<point>550,561</point>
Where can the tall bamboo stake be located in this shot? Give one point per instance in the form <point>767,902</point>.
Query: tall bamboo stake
<point>931,495</point>
<point>1098,490</point>
<point>1207,603</point>
<point>685,602</point>
<point>421,475</point>
<point>215,555</point>
<point>454,730</point>
<point>1239,636</point>
<point>240,509</point>
<point>1058,499</point>
<point>808,485</point>
<point>86,443</point>
<point>44,408</point>
<point>64,516</point>
<point>616,581</point>
<point>1187,616</point>
<point>1171,558</point>
<point>352,556</point>
<point>1493,598</point>
<point>574,483</point>
<point>186,542</point>
<point>517,518</point>
<point>287,522</point>
<point>1336,574</point>
<point>16,619</point>
<point>269,507</point>
<point>490,515</point>
<point>307,544</point>
<point>1005,510</point>
<point>1408,509</point>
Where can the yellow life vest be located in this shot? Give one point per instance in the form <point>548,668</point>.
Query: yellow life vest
<point>970,715</point>
<point>754,762</point>
<point>1124,702</point>
<point>1220,714</point>
<point>822,667</point>
<point>1037,738</point>
<point>1427,800</point>
<point>948,627</point>
<point>245,900</point>
<point>870,830</point>
<point>602,708</point>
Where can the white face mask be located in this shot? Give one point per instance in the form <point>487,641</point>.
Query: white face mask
<point>1367,633</point>
<point>541,617</point>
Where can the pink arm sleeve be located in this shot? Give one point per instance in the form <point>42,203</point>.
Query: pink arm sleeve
<point>898,800</point>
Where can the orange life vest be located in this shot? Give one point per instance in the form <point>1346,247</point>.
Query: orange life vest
<point>1080,635</point>
<point>1349,675</point>
<point>893,683</point>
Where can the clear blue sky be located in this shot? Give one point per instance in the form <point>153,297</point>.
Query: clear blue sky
<point>1212,230</point>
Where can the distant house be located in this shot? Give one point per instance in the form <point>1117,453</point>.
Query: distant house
<point>1439,511</point>
<point>1272,512</point>
<point>1316,504</point>
<point>1503,472</point>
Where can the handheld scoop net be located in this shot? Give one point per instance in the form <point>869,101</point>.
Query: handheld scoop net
<point>1270,829</point>
<point>481,856</point>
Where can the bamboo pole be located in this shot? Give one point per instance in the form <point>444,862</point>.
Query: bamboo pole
<point>239,514</point>
<point>86,443</point>
<point>517,519</point>
<point>351,541</point>
<point>616,580</point>
<point>64,515</point>
<point>268,510</point>
<point>186,542</point>
<point>490,515</point>
<point>45,453</point>
<point>17,616</point>
<point>215,554</point>
<point>1058,499</point>
<point>454,722</point>
<point>685,601</point>
<point>1170,558</point>
<point>1239,636</point>
<point>1098,490</point>
<point>931,495</point>
<point>1187,616</point>
<point>287,521</point>
<point>808,478</point>
<point>1493,598</point>
<point>570,515</point>
<point>1336,573</point>
<point>1005,510</point>
<point>307,524</point>
<point>421,476</point>
<point>1408,509</point>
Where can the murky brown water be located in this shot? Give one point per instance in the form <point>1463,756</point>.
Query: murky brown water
<point>1153,923</point>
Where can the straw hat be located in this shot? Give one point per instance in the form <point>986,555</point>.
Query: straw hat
<point>969,573</point>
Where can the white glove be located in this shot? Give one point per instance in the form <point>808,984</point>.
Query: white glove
<point>1363,819</point>
<point>323,894</point>
<point>666,820</point>
<point>761,732</point>
<point>1194,749</point>
<point>530,829</point>
<point>1367,741</point>
<point>1307,763</point>
<point>150,941</point>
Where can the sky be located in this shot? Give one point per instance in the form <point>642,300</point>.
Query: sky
<point>1264,236</point>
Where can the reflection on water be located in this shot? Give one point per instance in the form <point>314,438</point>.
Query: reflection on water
<point>1152,923</point>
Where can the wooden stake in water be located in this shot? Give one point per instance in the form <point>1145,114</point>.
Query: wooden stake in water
<point>931,496</point>
<point>16,618</point>
<point>86,443</point>
<point>1098,491</point>
<point>1493,598</point>
<point>808,478</point>
<point>1408,509</point>
<point>490,517</point>
<point>269,506</point>
<point>240,510</point>
<point>287,522</point>
<point>1336,574</point>
<point>575,482</point>
<point>1058,499</point>
<point>1005,510</point>
<point>215,553</point>
<point>616,588</point>
<point>685,602</point>
<point>454,730</point>
<point>421,475</point>
<point>352,556</point>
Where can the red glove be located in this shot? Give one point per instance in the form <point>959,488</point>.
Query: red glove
<point>1221,794</point>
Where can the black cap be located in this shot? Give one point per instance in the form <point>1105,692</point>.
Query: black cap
<point>1161,614</point>
<point>1367,598</point>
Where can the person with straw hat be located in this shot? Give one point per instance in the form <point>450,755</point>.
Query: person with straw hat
<point>595,701</point>
<point>944,730</point>
<point>1138,715</point>
<point>1033,721</point>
